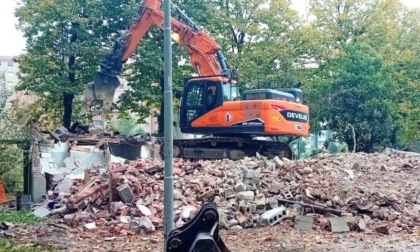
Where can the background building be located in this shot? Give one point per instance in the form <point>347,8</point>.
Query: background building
<point>9,70</point>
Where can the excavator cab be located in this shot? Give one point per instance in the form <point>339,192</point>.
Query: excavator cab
<point>204,94</point>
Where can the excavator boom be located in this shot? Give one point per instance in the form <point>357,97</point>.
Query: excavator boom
<point>205,54</point>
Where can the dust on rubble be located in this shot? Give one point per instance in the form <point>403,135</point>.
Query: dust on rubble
<point>369,197</point>
<point>274,238</point>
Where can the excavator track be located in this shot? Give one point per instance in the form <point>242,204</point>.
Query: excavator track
<point>228,147</point>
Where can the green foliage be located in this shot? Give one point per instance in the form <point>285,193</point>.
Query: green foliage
<point>11,168</point>
<point>336,147</point>
<point>4,95</point>
<point>60,32</point>
<point>315,152</point>
<point>11,153</point>
<point>146,77</point>
<point>365,51</point>
<point>261,43</point>
<point>299,146</point>
<point>18,217</point>
<point>408,72</point>
<point>359,93</point>
<point>9,246</point>
<point>127,126</point>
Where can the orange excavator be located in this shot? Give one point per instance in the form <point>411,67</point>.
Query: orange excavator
<point>233,125</point>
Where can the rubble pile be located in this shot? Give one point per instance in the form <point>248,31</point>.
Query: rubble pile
<point>367,190</point>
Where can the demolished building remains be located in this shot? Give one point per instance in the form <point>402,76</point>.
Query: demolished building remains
<point>89,188</point>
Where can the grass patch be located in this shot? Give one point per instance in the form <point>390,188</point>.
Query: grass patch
<point>18,217</point>
<point>8,246</point>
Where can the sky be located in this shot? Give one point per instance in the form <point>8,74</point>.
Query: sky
<point>12,42</point>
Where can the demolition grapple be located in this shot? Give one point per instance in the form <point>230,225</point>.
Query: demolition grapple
<point>201,234</point>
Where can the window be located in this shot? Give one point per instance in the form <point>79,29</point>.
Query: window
<point>194,96</point>
<point>230,92</point>
<point>98,122</point>
<point>211,96</point>
<point>226,92</point>
<point>10,63</point>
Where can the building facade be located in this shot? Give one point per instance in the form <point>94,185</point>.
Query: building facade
<point>9,70</point>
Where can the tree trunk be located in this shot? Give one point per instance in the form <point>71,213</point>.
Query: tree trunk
<point>68,109</point>
<point>353,140</point>
<point>68,97</point>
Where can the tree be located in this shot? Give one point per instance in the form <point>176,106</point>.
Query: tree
<point>300,147</point>
<point>360,94</point>
<point>11,172</point>
<point>145,75</point>
<point>65,43</point>
<point>4,94</point>
<point>408,73</point>
<point>260,39</point>
<point>377,33</point>
<point>129,126</point>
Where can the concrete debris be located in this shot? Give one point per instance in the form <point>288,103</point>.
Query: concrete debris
<point>125,193</point>
<point>249,193</point>
<point>245,209</point>
<point>273,216</point>
<point>383,229</point>
<point>90,226</point>
<point>110,238</point>
<point>304,222</point>
<point>147,223</point>
<point>144,210</point>
<point>362,224</point>
<point>278,161</point>
<point>188,212</point>
<point>41,212</point>
<point>65,184</point>
<point>339,224</point>
<point>260,201</point>
<point>240,187</point>
<point>272,203</point>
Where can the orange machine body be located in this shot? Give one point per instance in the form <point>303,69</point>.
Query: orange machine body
<point>225,114</point>
<point>272,116</point>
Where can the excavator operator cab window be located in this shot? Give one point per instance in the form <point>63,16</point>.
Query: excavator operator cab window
<point>199,97</point>
<point>230,92</point>
<point>211,96</point>
<point>235,93</point>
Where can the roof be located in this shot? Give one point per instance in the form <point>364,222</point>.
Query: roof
<point>7,58</point>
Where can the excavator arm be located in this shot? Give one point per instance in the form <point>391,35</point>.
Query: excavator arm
<point>205,55</point>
